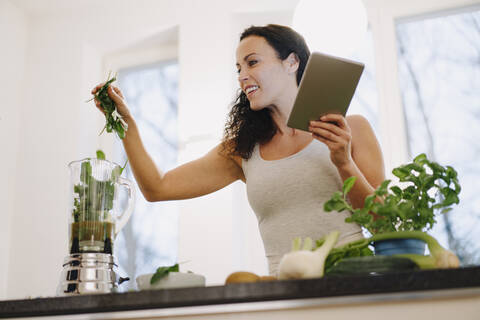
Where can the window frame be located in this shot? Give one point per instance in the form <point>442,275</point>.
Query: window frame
<point>383,16</point>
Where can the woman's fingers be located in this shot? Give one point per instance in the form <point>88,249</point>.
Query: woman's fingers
<point>116,95</point>
<point>326,134</point>
<point>337,130</point>
<point>118,91</point>
<point>329,126</point>
<point>336,118</point>
<point>97,87</point>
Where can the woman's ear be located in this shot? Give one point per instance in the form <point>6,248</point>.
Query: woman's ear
<point>291,62</point>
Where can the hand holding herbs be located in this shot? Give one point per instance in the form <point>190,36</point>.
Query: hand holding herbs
<point>428,187</point>
<point>114,120</point>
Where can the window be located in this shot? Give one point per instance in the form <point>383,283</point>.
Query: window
<point>150,238</point>
<point>365,99</point>
<point>439,75</point>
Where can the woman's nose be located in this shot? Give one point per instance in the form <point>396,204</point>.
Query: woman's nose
<point>242,76</point>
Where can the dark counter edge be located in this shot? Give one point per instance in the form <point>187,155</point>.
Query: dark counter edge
<point>329,286</point>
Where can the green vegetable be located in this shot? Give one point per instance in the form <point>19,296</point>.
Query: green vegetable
<point>302,262</point>
<point>353,249</point>
<point>163,272</point>
<point>372,264</point>
<point>114,120</point>
<point>438,258</point>
<point>92,193</point>
<point>428,188</point>
<point>100,155</point>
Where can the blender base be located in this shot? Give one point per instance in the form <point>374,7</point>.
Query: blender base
<point>88,273</point>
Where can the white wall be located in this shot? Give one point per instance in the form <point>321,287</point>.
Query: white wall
<point>65,58</point>
<point>13,44</point>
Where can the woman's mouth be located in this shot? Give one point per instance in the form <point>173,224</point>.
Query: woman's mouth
<point>250,90</point>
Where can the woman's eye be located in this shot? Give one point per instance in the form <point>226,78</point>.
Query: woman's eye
<point>252,62</point>
<point>238,71</point>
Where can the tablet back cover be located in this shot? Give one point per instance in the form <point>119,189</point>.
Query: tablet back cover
<point>327,86</point>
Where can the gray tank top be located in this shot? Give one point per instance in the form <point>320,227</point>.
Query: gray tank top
<point>287,196</point>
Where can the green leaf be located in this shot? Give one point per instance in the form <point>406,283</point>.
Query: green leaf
<point>296,244</point>
<point>339,206</point>
<point>85,172</point>
<point>382,189</point>
<point>451,172</point>
<point>100,155</point>
<point>396,190</point>
<point>369,200</point>
<point>446,210</point>
<point>421,158</point>
<point>163,272</point>
<point>333,203</point>
<point>348,184</point>
<point>414,167</point>
<point>450,198</point>
<point>400,172</point>
<point>124,166</point>
<point>429,182</point>
<point>457,187</point>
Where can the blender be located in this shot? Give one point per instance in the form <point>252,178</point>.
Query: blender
<point>96,216</point>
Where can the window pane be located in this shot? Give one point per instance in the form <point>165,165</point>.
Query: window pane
<point>439,74</point>
<point>149,239</point>
<point>365,99</point>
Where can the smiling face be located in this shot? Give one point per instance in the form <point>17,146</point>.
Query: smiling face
<point>262,76</point>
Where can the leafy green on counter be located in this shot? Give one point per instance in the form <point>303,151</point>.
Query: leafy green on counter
<point>303,262</point>
<point>163,272</point>
<point>372,264</point>
<point>353,249</point>
<point>439,257</point>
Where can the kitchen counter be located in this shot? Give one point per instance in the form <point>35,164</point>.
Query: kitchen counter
<point>441,285</point>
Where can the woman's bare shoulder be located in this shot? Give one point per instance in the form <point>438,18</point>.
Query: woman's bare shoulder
<point>225,149</point>
<point>357,120</point>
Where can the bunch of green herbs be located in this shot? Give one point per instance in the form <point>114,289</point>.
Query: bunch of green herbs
<point>427,188</point>
<point>114,120</point>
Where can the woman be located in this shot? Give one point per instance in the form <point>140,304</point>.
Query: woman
<point>289,173</point>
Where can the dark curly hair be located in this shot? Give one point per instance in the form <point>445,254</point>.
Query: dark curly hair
<point>245,127</point>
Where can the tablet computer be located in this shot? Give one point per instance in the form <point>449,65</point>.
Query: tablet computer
<point>327,86</point>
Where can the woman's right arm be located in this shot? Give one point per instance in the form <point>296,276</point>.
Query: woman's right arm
<point>207,174</point>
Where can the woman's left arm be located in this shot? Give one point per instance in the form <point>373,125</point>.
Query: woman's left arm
<point>354,150</point>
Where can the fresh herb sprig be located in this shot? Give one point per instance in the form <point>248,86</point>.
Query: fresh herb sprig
<point>429,188</point>
<point>163,272</point>
<point>114,120</point>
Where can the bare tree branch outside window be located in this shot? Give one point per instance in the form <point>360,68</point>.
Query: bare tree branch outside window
<point>439,68</point>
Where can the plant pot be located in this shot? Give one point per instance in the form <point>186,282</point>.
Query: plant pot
<point>399,246</point>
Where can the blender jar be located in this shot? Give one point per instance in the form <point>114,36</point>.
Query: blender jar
<point>95,213</point>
